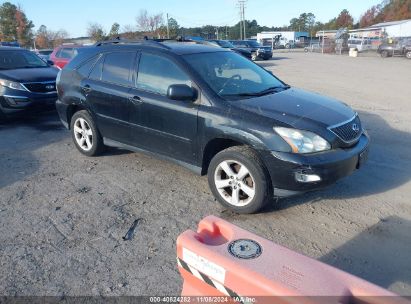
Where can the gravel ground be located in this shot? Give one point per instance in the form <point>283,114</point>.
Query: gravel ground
<point>63,216</point>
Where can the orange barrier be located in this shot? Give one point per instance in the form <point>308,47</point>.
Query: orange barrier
<point>222,259</point>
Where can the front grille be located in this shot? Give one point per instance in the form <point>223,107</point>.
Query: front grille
<point>349,131</point>
<point>41,87</point>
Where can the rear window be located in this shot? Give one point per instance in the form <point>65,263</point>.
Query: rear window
<point>85,68</point>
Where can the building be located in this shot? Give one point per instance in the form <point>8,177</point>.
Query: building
<point>393,29</point>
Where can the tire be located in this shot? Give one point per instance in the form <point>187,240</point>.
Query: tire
<point>408,54</point>
<point>239,160</point>
<point>85,134</point>
<point>254,57</point>
<point>384,54</point>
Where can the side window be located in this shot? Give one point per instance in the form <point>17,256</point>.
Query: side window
<point>66,53</point>
<point>117,67</point>
<point>98,68</point>
<point>85,67</point>
<point>157,73</point>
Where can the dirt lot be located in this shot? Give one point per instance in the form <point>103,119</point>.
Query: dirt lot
<point>63,215</point>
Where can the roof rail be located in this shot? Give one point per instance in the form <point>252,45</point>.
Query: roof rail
<point>146,41</point>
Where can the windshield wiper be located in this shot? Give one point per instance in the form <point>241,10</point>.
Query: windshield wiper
<point>264,92</point>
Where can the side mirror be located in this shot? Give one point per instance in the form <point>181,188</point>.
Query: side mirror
<point>49,62</point>
<point>181,92</point>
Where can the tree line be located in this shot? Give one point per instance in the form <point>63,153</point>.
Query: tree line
<point>15,26</point>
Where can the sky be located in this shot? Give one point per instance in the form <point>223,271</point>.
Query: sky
<point>75,15</point>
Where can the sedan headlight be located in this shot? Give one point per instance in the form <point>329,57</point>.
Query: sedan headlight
<point>303,141</point>
<point>12,85</point>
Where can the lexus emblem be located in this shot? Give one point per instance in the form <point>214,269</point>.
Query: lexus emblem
<point>355,127</point>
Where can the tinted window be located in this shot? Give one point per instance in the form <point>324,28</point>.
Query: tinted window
<point>66,53</point>
<point>19,60</point>
<point>84,69</point>
<point>117,67</point>
<point>98,67</point>
<point>156,74</point>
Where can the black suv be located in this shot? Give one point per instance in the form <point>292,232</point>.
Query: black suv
<point>26,82</point>
<point>228,45</point>
<point>257,50</point>
<point>213,111</point>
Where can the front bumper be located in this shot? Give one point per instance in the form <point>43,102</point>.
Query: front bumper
<point>16,103</point>
<point>329,166</point>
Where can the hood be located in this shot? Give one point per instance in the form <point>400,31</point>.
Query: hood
<point>241,50</point>
<point>298,108</point>
<point>30,75</point>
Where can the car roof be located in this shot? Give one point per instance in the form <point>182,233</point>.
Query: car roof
<point>178,48</point>
<point>11,48</point>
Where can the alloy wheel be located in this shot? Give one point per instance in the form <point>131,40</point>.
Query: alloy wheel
<point>234,183</point>
<point>83,134</point>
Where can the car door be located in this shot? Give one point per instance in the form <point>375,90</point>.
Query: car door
<point>107,91</point>
<point>159,124</point>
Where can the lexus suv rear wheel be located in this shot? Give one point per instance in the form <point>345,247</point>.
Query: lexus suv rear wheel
<point>85,134</point>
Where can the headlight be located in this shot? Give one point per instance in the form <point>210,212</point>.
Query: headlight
<point>303,141</point>
<point>12,85</point>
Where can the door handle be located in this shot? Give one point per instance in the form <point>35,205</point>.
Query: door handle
<point>86,89</point>
<point>135,100</point>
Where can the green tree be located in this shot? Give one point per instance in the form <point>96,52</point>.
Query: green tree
<point>114,31</point>
<point>173,27</point>
<point>344,19</point>
<point>14,25</point>
<point>96,32</point>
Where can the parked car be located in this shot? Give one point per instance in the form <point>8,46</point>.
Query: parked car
<point>44,53</point>
<point>61,55</point>
<point>228,45</point>
<point>9,43</point>
<point>214,112</point>
<point>26,82</point>
<point>400,47</point>
<point>359,44</point>
<point>257,50</point>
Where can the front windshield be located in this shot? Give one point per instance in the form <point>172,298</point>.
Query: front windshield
<point>226,44</point>
<point>233,76</point>
<point>16,59</point>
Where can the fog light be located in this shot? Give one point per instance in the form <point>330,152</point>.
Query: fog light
<point>306,178</point>
<point>10,101</point>
<point>15,100</point>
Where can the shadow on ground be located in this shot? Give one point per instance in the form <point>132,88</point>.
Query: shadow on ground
<point>19,137</point>
<point>380,254</point>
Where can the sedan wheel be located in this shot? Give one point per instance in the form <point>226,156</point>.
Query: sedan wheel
<point>408,54</point>
<point>83,134</point>
<point>234,182</point>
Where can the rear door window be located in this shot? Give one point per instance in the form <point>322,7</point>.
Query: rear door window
<point>117,68</point>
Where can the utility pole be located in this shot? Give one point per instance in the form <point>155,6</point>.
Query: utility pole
<point>168,29</point>
<point>216,31</point>
<point>241,5</point>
